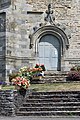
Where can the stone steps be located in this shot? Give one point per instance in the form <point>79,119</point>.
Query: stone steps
<point>53,100</point>
<point>53,96</point>
<point>49,113</point>
<point>53,108</point>
<point>56,103</point>
<point>50,77</point>
<point>60,93</point>
<point>53,77</point>
<point>30,104</point>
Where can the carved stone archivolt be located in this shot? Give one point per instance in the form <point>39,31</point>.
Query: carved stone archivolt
<point>52,28</point>
<point>49,29</point>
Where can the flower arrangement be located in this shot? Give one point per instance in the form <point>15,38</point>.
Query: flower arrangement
<point>21,82</point>
<point>13,75</point>
<point>21,78</point>
<point>25,74</point>
<point>75,68</point>
<point>40,66</point>
<point>36,72</point>
<point>74,74</point>
<point>23,69</point>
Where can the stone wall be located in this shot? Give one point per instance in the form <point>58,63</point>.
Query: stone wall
<point>7,107</point>
<point>2,45</point>
<point>10,101</point>
<point>22,16</point>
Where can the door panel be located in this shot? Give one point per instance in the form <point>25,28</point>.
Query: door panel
<point>41,51</point>
<point>49,52</point>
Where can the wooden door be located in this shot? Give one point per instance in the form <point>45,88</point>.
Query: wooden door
<point>49,52</point>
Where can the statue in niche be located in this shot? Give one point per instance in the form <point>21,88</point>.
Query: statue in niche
<point>49,18</point>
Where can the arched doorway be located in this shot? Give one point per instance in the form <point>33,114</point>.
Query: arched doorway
<point>49,52</point>
<point>49,44</point>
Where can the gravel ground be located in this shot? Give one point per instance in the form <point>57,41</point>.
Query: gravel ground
<point>38,118</point>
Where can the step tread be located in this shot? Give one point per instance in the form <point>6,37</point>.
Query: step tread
<point>54,76</point>
<point>59,92</point>
<point>52,99</point>
<point>54,107</point>
<point>54,95</point>
<point>56,92</point>
<point>53,103</point>
<point>48,111</point>
<point>61,108</point>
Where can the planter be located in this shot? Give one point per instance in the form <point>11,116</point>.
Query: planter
<point>22,92</point>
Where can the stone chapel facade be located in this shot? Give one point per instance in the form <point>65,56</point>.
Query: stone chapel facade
<point>39,31</point>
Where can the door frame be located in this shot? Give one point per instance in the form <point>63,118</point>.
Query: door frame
<point>55,31</point>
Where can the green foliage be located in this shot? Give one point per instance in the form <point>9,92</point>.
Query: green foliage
<point>75,68</point>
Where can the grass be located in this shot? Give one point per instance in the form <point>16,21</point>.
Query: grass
<point>56,87</point>
<point>50,87</point>
<point>8,87</point>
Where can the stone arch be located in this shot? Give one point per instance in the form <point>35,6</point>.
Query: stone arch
<point>54,31</point>
<point>49,29</point>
